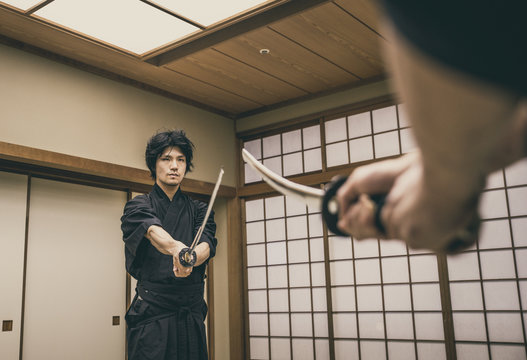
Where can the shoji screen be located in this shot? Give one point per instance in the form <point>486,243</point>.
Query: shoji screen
<point>75,273</point>
<point>13,192</point>
<point>488,284</point>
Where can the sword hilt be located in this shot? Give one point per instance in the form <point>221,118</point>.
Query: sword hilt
<point>187,257</point>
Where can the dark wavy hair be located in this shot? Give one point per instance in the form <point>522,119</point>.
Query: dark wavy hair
<point>160,141</point>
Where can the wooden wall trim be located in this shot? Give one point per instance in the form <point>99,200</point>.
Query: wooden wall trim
<point>58,165</point>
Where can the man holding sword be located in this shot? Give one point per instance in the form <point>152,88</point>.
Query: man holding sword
<point>169,239</point>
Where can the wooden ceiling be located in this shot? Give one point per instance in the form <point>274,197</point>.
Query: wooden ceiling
<point>316,47</point>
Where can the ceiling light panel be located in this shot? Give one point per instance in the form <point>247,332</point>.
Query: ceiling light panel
<point>22,4</point>
<point>208,12</point>
<point>131,25</point>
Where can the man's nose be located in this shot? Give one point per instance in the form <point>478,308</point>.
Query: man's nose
<point>173,164</point>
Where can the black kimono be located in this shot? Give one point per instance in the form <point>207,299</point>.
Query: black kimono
<point>166,318</point>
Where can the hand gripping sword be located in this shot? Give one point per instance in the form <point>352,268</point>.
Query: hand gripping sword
<point>187,256</point>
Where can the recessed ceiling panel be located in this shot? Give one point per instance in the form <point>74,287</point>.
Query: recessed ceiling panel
<point>130,25</point>
<point>22,4</point>
<point>207,12</point>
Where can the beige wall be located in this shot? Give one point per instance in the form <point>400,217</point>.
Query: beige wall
<point>50,106</point>
<point>325,103</point>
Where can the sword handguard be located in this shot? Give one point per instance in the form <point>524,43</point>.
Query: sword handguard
<point>187,258</point>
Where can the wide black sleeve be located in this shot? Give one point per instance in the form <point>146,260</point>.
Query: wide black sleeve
<point>138,216</point>
<point>209,233</point>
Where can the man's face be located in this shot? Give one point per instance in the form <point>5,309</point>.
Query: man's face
<point>170,167</point>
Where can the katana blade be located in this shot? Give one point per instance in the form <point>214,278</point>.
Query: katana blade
<point>308,195</point>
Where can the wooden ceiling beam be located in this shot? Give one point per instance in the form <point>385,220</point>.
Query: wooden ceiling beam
<point>209,38</point>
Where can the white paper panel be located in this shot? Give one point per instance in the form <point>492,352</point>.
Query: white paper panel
<point>367,271</point>
<point>299,275</point>
<point>497,264</point>
<point>311,136</point>
<point>393,247</point>
<point>318,274</point>
<point>466,296</point>
<point>384,119</point>
<point>424,268</point>
<point>359,125</point>
<point>254,210</point>
<point>469,326</point>
<point>403,115</point>
<point>371,325</point>
<point>494,180</point>
<point>251,175</point>
<point>493,204</point>
<point>275,230</point>
<point>366,248</point>
<point>259,348</point>
<point>337,154</point>
<point>255,232</point>
<point>258,324</point>
<point>426,297</point>
<point>399,326</point>
<point>516,174</point>
<point>397,297</point>
<point>340,248</point>
<point>279,324</point>
<point>23,4</point>
<point>431,351</point>
<point>256,278</point>
<point>508,351</point>
<point>278,300</point>
<point>257,301</point>
<point>293,164</point>
<point>369,298</point>
<point>303,349</point>
<point>344,325</point>
<point>320,321</point>
<point>292,141</point>
<point>518,201</point>
<point>429,326</point>
<point>335,130</point>
<point>401,350</point>
<point>277,276</point>
<point>407,141</point>
<point>276,253</point>
<point>254,147</point>
<point>519,231</point>
<point>298,251</point>
<point>506,327</point>
<point>301,325</point>
<point>502,295</point>
<point>463,266</point>
<point>294,206</point>
<point>386,144</point>
<point>343,298</point>
<point>280,349</point>
<point>274,164</point>
<point>322,349</point>
<point>346,349</point>
<point>521,261</point>
<point>319,299</point>
<point>523,294</point>
<point>372,349</point>
<point>361,149</point>
<point>315,225</point>
<point>297,227</point>
<point>271,146</point>
<point>395,270</point>
<point>494,234</point>
<point>316,247</point>
<point>312,160</point>
<point>472,351</point>
<point>341,272</point>
<point>300,300</point>
<point>255,255</point>
<point>274,207</point>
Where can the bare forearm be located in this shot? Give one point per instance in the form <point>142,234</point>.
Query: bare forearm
<point>202,253</point>
<point>162,240</point>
